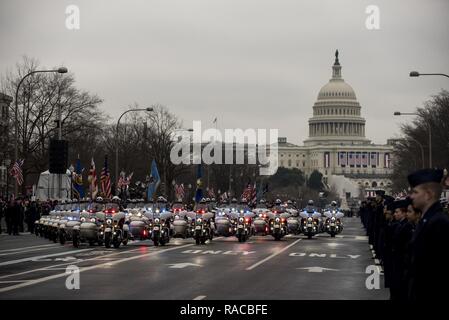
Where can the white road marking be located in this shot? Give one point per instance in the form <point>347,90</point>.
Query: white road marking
<point>182,265</point>
<point>24,248</point>
<point>377,261</point>
<point>52,267</point>
<point>317,269</point>
<point>272,256</point>
<point>7,263</point>
<point>31,250</point>
<point>13,281</point>
<point>102,265</point>
<point>199,298</point>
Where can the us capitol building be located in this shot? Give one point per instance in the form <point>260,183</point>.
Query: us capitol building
<point>337,146</point>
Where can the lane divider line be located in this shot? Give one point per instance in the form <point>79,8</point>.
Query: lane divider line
<point>272,256</point>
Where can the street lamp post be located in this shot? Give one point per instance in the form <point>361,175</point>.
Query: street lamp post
<point>397,113</point>
<point>116,139</point>
<point>417,74</point>
<point>16,118</point>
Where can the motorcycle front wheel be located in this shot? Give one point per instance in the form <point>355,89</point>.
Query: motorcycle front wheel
<point>107,240</point>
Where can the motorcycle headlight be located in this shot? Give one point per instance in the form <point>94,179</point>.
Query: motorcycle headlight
<point>240,219</point>
<point>260,215</point>
<point>139,214</point>
<point>156,220</point>
<point>83,219</point>
<point>333,219</point>
<point>309,219</point>
<point>277,220</point>
<point>108,221</point>
<point>176,217</point>
<point>157,210</point>
<point>199,220</point>
<point>92,219</point>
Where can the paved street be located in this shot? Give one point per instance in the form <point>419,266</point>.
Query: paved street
<point>294,268</point>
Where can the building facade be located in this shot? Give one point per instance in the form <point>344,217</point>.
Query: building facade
<point>337,146</point>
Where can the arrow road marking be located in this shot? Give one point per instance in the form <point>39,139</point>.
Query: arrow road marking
<point>318,269</point>
<point>183,265</point>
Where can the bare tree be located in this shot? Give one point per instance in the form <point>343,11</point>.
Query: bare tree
<point>39,98</point>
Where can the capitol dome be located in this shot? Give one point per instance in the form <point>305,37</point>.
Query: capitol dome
<point>336,113</point>
<point>337,89</point>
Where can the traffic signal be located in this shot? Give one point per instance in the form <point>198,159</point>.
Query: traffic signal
<point>58,156</point>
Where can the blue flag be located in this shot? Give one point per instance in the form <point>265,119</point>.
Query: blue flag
<point>199,190</point>
<point>154,181</point>
<point>78,180</point>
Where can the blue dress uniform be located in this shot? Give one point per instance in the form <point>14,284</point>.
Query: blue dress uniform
<point>429,265</point>
<point>400,254</point>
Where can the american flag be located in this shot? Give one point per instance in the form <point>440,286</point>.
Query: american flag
<point>364,159</point>
<point>343,159</point>
<point>254,194</point>
<point>121,180</point>
<point>105,179</point>
<point>16,171</point>
<point>92,179</point>
<point>351,158</point>
<point>179,190</point>
<point>247,193</point>
<point>357,159</point>
<point>211,193</point>
<point>224,196</point>
<point>373,159</point>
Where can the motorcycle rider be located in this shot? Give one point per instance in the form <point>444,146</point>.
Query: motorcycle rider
<point>310,207</point>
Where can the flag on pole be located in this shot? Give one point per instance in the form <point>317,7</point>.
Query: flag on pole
<point>105,179</point>
<point>77,177</point>
<point>199,190</point>
<point>179,191</point>
<point>253,194</point>
<point>215,120</point>
<point>247,193</point>
<point>154,181</point>
<point>16,171</point>
<point>92,179</point>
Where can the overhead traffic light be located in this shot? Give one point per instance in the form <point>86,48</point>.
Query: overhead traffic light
<point>58,156</point>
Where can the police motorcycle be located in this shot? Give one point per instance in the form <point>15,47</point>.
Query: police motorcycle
<point>139,221</point>
<point>261,219</point>
<point>180,221</point>
<point>310,220</point>
<point>202,223</point>
<point>52,224</point>
<point>72,219</point>
<point>333,216</point>
<point>116,231</point>
<point>160,222</point>
<point>224,221</point>
<point>244,228</point>
<point>293,221</point>
<point>91,227</point>
<point>278,221</point>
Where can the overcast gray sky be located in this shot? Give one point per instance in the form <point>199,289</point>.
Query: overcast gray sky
<point>251,63</point>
